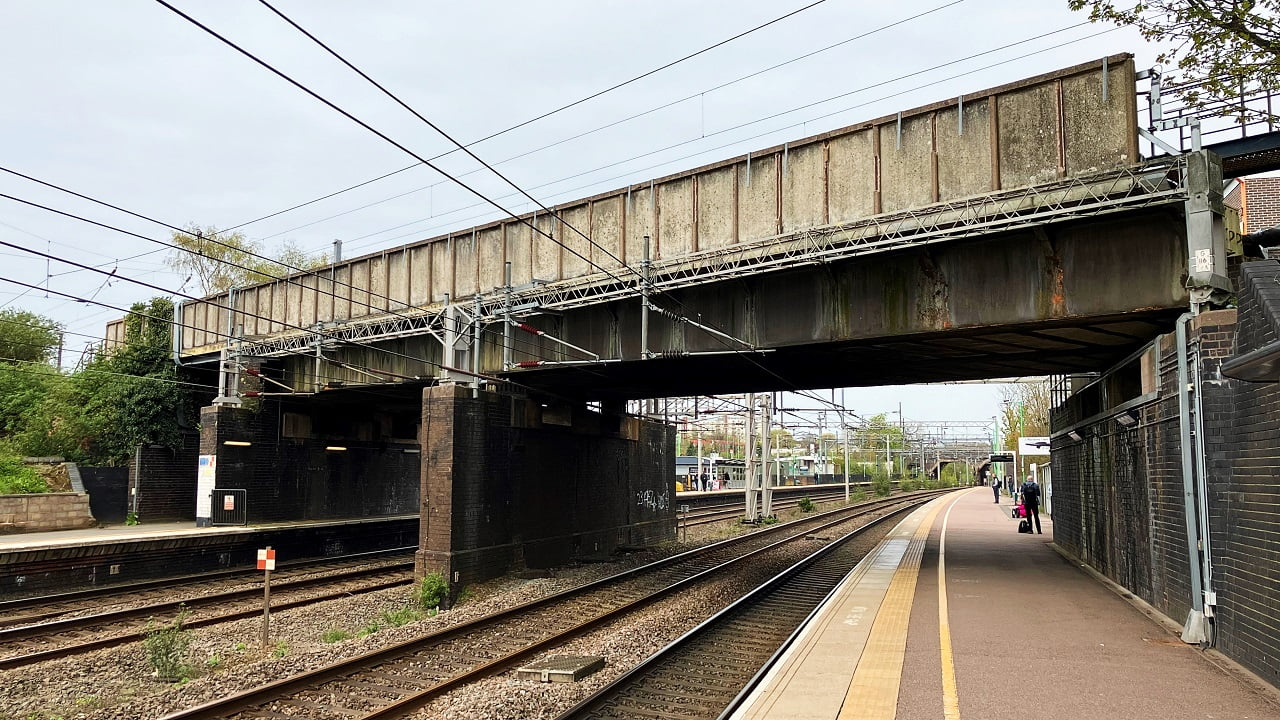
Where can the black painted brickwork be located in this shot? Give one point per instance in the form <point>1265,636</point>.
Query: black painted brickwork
<point>1245,502</point>
<point>506,490</point>
<point>297,479</point>
<point>1094,487</point>
<point>162,481</point>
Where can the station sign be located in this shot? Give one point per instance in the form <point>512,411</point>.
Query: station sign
<point>1033,446</point>
<point>1001,457</point>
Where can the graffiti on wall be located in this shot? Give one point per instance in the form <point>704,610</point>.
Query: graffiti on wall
<point>652,501</point>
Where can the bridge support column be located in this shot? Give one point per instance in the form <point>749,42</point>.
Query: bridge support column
<point>509,482</point>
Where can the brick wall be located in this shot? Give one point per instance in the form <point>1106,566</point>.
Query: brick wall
<point>508,483</point>
<point>162,481</point>
<point>1258,200</point>
<point>44,511</point>
<point>1245,497</point>
<point>297,478</point>
<point>1101,496</point>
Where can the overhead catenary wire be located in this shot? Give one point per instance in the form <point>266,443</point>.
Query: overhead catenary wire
<point>606,126</point>
<point>542,116</point>
<point>51,371</point>
<point>347,114</point>
<point>228,309</point>
<point>327,280</point>
<point>333,106</point>
<point>756,122</point>
<point>177,323</point>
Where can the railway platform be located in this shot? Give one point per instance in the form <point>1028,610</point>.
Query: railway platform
<point>957,615</point>
<point>69,560</point>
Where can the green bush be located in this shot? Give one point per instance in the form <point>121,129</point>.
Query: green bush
<point>908,484</point>
<point>18,479</point>
<point>881,486</point>
<point>805,505</point>
<point>166,648</point>
<point>858,495</point>
<point>432,591</point>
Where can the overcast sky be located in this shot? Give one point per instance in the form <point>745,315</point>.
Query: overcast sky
<point>127,102</point>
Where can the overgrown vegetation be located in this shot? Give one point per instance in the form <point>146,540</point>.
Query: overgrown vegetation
<point>431,591</point>
<point>102,411</point>
<point>400,616</point>
<point>805,505</point>
<point>166,648</point>
<point>881,485</point>
<point>18,479</point>
<point>858,495</point>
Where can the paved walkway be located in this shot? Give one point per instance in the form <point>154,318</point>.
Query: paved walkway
<point>1022,633</point>
<point>152,530</point>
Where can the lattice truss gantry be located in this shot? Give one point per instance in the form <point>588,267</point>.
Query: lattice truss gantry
<point>1152,183</point>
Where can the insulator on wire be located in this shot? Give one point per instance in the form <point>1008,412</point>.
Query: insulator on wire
<point>528,363</point>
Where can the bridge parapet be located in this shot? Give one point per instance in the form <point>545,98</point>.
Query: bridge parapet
<point>940,171</point>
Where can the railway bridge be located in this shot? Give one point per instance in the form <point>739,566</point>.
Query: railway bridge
<point>480,378</point>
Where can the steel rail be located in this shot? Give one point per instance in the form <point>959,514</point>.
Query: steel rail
<point>687,566</point>
<point>757,626</point>
<point>11,610</point>
<point>74,625</point>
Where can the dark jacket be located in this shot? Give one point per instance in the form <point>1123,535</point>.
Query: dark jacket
<point>1031,492</point>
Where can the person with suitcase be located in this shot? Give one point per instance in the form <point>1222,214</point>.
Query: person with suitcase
<point>1031,502</point>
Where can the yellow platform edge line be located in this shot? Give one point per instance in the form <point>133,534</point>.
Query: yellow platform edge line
<point>950,694</point>
<point>873,692</point>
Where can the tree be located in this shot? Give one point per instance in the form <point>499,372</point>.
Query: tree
<point>133,395</point>
<point>1024,413</point>
<point>1232,46</point>
<point>220,261</point>
<point>99,414</point>
<point>26,337</point>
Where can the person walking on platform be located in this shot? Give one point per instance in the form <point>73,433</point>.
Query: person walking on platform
<point>995,488</point>
<point>1031,501</point>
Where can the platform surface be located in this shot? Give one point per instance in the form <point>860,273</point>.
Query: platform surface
<point>149,531</point>
<point>1019,632</point>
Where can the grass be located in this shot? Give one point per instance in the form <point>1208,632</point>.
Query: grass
<point>18,479</point>
<point>334,635</point>
<point>400,616</point>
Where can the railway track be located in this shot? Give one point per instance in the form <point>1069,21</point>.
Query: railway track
<point>29,610</point>
<point>395,681</point>
<point>707,670</point>
<point>719,512</point>
<point>28,644</point>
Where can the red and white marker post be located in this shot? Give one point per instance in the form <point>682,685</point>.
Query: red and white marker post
<point>267,562</point>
